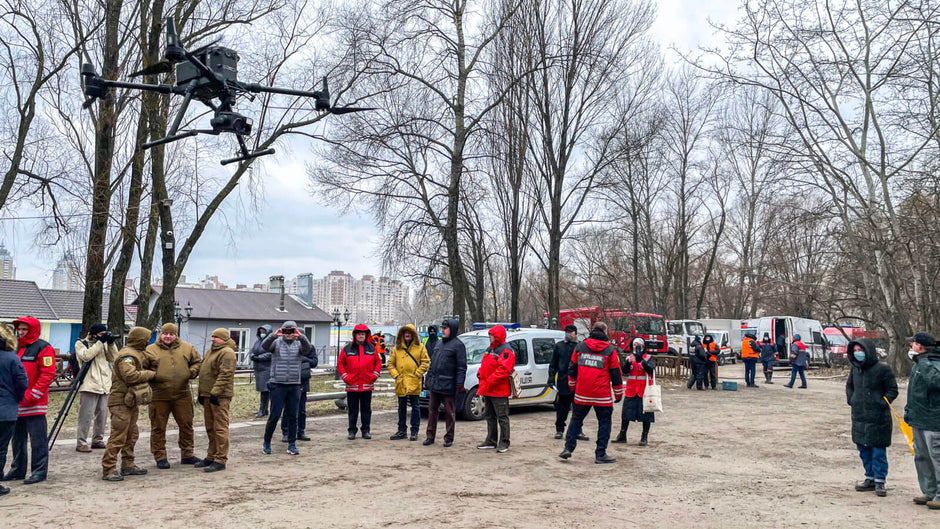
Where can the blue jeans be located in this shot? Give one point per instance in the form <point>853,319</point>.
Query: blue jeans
<point>750,370</point>
<point>403,413</point>
<point>284,399</point>
<point>793,371</point>
<point>604,418</point>
<point>875,461</point>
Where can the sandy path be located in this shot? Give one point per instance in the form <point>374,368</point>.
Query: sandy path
<point>767,457</point>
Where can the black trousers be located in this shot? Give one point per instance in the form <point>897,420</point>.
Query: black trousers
<point>33,427</point>
<point>603,413</point>
<point>711,374</point>
<point>263,407</point>
<point>562,408</point>
<point>6,433</point>
<point>496,410</point>
<point>284,399</point>
<point>301,416</point>
<point>356,402</point>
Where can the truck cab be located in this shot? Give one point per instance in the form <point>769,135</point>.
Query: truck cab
<point>681,334</point>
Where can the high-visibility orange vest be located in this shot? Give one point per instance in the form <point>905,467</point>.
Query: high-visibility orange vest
<point>712,348</point>
<point>747,351</point>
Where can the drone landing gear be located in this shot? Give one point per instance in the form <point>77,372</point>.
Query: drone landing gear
<point>246,154</point>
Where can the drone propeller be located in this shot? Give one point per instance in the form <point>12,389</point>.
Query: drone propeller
<point>155,68</point>
<point>349,110</point>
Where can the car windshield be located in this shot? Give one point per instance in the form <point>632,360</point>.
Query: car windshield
<point>836,339</point>
<point>695,328</point>
<point>476,346</point>
<point>649,325</point>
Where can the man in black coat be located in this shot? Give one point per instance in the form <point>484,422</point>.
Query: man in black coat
<point>869,384</point>
<point>558,379</point>
<point>431,343</point>
<point>699,363</point>
<point>444,380</point>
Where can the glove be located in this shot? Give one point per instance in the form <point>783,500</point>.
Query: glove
<point>461,389</point>
<point>215,400</point>
<point>111,338</point>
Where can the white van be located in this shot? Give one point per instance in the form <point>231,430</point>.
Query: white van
<point>811,332</point>
<point>533,348</point>
<point>681,334</point>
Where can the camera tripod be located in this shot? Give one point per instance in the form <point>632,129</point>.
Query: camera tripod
<point>67,405</point>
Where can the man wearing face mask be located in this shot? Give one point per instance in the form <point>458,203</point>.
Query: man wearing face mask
<point>261,363</point>
<point>869,384</point>
<point>558,379</point>
<point>923,414</point>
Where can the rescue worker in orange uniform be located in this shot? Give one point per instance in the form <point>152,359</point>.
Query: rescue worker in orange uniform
<point>750,353</point>
<point>711,366</point>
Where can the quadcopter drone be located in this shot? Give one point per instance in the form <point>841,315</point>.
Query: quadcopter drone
<point>206,74</point>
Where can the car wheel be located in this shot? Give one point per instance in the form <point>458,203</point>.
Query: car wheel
<point>473,406</point>
<point>721,360</point>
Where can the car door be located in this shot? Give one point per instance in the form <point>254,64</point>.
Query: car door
<point>520,346</point>
<point>542,349</point>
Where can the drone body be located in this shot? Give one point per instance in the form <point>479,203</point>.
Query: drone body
<point>208,75</point>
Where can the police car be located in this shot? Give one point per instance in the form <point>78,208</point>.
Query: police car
<point>533,349</point>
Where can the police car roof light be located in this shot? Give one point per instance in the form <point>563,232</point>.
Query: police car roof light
<point>487,324</point>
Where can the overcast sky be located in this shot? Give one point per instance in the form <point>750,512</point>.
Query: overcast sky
<point>296,232</point>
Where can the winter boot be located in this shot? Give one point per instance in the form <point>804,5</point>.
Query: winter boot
<point>621,437</point>
<point>770,377</point>
<point>604,459</point>
<point>866,486</point>
<point>880,489</point>
<point>643,439</point>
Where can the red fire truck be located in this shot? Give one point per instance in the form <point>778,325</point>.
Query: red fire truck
<point>839,340</point>
<point>623,326</point>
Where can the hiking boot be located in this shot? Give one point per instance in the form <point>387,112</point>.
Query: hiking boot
<point>565,454</point>
<point>933,505</point>
<point>266,448</point>
<point>133,471</point>
<point>292,450</point>
<point>643,440</point>
<point>203,463</point>
<point>559,435</point>
<point>414,437</point>
<point>214,467</point>
<point>428,442</point>
<point>920,500</point>
<point>866,486</point>
<point>398,436</point>
<point>582,437</point>
<point>163,464</point>
<point>880,489</point>
<point>366,435</point>
<point>351,436</point>
<point>191,460</point>
<point>99,445</point>
<point>621,437</point>
<point>85,449</point>
<point>302,437</point>
<point>486,446</point>
<point>114,475</point>
<point>604,459</point>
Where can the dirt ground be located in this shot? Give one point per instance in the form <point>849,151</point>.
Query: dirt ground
<point>766,457</point>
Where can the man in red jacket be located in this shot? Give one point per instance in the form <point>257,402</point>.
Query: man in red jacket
<point>594,369</point>
<point>495,370</point>
<point>38,357</point>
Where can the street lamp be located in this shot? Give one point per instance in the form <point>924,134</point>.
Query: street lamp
<point>339,323</point>
<point>178,312</point>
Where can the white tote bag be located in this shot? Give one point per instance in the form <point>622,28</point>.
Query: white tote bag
<point>653,397</point>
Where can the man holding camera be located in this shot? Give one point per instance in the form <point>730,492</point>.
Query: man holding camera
<point>175,363</point>
<point>97,348</point>
<point>288,346</point>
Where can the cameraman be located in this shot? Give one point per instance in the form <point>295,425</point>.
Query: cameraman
<point>98,348</point>
<point>288,347</point>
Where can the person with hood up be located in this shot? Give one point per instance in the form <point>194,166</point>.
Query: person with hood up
<point>216,388</point>
<point>129,390</point>
<point>430,343</point>
<point>496,367</point>
<point>797,361</point>
<point>176,363</point>
<point>38,359</point>
<point>359,366</point>
<point>768,358</point>
<point>699,362</point>
<point>446,378</point>
<point>594,371</point>
<point>639,367</point>
<point>869,384</point>
<point>750,354</point>
<point>922,412</point>
<point>287,346</point>
<point>558,379</point>
<point>407,364</point>
<point>99,349</point>
<point>261,364</point>
<point>13,385</point>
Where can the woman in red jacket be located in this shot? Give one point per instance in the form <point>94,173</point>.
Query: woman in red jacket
<point>495,370</point>
<point>358,366</point>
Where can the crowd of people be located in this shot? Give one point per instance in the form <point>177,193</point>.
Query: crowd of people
<point>586,375</point>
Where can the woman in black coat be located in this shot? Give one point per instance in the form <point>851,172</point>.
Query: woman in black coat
<point>869,384</point>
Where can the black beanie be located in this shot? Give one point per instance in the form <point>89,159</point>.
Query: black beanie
<point>571,328</point>
<point>598,334</point>
<point>97,328</point>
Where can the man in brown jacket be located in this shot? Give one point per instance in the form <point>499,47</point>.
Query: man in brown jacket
<point>129,389</point>
<point>176,363</point>
<point>216,387</point>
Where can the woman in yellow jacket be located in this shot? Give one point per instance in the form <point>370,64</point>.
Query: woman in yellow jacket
<point>407,364</point>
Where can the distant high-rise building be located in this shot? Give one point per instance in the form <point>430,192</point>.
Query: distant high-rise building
<point>304,284</point>
<point>66,275</point>
<point>368,300</point>
<point>7,267</point>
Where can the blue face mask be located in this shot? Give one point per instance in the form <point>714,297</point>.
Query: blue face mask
<point>859,355</point>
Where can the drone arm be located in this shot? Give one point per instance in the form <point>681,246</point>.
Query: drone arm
<point>256,88</point>
<point>190,88</point>
<point>246,154</point>
<point>161,88</point>
<point>169,139</point>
